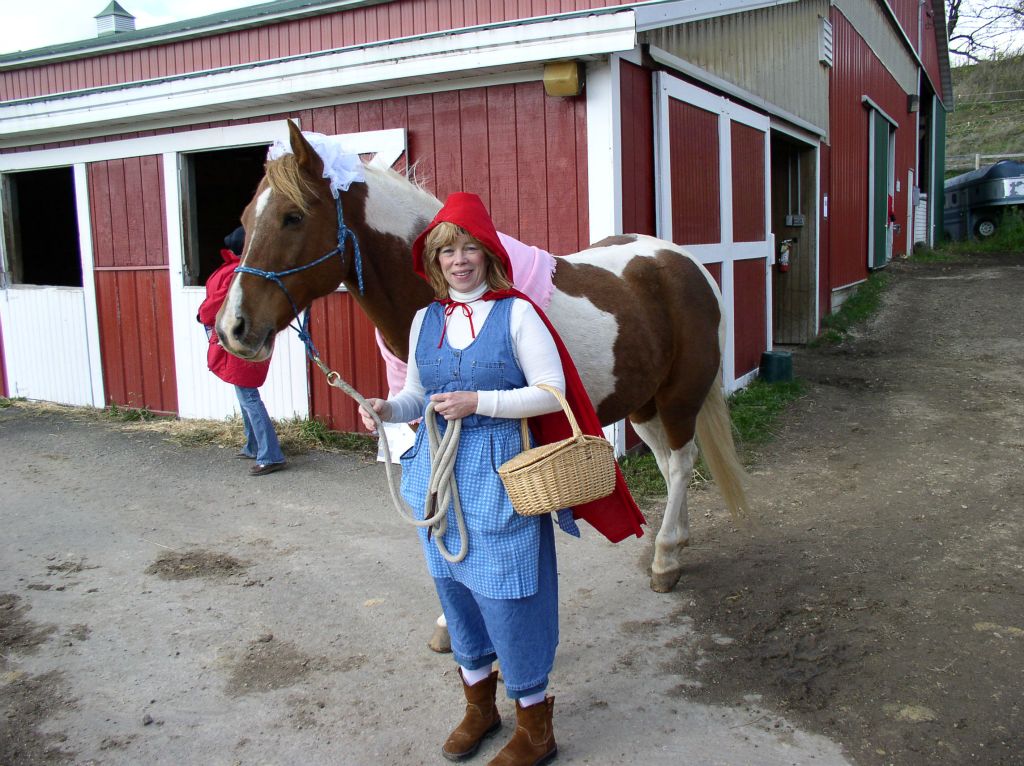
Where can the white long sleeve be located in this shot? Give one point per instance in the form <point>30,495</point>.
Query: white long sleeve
<point>532,344</point>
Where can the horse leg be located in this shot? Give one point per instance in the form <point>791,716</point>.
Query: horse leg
<point>676,467</point>
<point>440,642</point>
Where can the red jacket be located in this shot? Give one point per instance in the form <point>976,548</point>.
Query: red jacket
<point>616,516</point>
<point>225,366</point>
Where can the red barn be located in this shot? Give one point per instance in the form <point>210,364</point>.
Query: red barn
<point>739,128</point>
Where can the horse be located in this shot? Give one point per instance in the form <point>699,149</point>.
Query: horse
<point>641,317</point>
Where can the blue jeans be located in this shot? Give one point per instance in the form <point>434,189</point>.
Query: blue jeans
<point>521,633</point>
<point>260,436</point>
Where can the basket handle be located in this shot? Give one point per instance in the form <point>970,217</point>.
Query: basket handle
<point>576,432</point>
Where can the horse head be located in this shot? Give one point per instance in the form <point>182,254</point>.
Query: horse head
<point>290,224</point>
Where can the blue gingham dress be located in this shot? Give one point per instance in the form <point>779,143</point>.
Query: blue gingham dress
<point>503,546</point>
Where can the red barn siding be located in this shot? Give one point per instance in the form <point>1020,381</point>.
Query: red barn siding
<point>748,214</point>
<point>521,151</point>
<point>637,129</point>
<point>693,147</point>
<point>750,312</point>
<point>135,338</point>
<point>133,291</point>
<point>715,270</point>
<point>328,31</point>
<point>344,337</point>
<point>907,14</point>
<point>858,73</point>
<point>929,53</point>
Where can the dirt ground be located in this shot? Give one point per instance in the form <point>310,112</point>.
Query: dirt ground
<point>156,606</point>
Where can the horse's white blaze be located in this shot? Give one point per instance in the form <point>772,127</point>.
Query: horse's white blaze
<point>261,203</point>
<point>394,205</point>
<point>233,300</point>
<point>589,334</point>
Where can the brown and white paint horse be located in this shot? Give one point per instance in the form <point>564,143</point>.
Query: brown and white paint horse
<point>642,319</point>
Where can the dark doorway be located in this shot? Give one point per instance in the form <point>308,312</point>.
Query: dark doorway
<point>794,219</point>
<point>218,185</point>
<point>41,232</point>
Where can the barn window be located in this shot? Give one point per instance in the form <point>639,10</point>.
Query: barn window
<point>41,228</point>
<point>217,185</point>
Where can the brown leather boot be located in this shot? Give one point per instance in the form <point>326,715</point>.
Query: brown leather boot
<point>533,743</point>
<point>481,719</point>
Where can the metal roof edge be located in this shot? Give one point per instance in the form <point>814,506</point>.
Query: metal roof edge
<point>941,45</point>
<point>667,13</point>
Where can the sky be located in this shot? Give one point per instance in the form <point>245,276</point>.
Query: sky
<point>39,23</point>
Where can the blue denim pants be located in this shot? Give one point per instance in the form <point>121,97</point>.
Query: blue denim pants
<point>522,633</point>
<point>260,436</point>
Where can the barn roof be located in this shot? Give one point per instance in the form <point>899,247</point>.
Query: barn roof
<point>213,23</point>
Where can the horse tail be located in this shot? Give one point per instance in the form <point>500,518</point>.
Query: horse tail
<point>714,437</point>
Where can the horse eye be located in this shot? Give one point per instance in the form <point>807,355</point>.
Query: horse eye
<point>292,219</point>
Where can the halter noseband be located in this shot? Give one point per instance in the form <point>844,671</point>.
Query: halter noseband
<point>344,234</point>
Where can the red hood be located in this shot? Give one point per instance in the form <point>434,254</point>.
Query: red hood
<point>467,211</point>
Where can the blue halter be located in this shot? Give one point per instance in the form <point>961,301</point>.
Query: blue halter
<point>344,234</point>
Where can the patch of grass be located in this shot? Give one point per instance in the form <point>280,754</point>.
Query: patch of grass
<point>296,435</point>
<point>6,402</point>
<point>859,307</point>
<point>129,414</point>
<point>924,254</point>
<point>754,411</point>
<point>306,434</point>
<point>1008,237</point>
<point>642,476</point>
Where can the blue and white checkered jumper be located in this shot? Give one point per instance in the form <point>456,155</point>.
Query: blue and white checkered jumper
<point>503,546</point>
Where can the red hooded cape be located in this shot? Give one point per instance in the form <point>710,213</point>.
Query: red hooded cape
<point>225,366</point>
<point>616,516</point>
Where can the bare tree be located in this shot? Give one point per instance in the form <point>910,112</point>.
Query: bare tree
<point>978,30</point>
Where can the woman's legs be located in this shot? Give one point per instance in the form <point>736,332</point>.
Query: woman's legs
<point>261,438</point>
<point>251,447</point>
<point>522,633</point>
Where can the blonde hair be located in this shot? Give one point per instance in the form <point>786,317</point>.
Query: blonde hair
<point>285,177</point>
<point>445,234</point>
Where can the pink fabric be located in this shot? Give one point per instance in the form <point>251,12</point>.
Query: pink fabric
<point>533,269</point>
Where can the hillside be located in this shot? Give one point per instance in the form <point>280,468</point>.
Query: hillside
<point>989,113</point>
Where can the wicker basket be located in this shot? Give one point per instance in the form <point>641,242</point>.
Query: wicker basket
<point>560,475</point>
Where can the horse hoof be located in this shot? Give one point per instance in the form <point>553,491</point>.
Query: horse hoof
<point>440,642</point>
<point>664,582</point>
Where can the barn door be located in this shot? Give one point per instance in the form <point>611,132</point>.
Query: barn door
<point>48,340</point>
<point>881,180</point>
<point>712,190</point>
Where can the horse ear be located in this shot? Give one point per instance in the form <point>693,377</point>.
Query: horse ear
<point>304,153</point>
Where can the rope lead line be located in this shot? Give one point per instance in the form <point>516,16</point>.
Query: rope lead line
<point>442,489</point>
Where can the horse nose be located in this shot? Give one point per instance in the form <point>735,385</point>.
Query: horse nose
<point>239,329</point>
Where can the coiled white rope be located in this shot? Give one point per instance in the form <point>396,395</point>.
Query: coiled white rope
<point>442,488</point>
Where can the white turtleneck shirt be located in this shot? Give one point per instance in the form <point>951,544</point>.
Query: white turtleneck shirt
<point>534,348</point>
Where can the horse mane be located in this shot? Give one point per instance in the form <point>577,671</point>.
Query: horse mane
<point>285,177</point>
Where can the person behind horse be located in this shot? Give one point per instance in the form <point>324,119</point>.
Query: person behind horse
<point>478,353</point>
<point>261,442</point>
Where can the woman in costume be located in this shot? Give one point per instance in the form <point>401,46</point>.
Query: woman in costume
<point>478,353</point>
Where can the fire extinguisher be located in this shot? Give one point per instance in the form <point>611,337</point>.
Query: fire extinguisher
<point>784,250</point>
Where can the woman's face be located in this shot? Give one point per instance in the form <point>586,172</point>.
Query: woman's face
<point>463,264</point>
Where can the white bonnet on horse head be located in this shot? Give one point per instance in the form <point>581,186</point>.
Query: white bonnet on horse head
<point>341,168</point>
